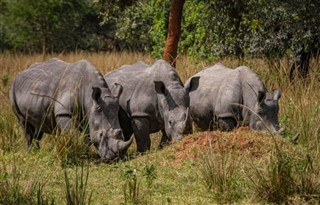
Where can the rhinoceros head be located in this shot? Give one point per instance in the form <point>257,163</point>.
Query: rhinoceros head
<point>265,116</point>
<point>105,132</point>
<point>174,106</point>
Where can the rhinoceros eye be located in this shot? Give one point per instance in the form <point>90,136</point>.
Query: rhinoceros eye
<point>171,123</point>
<point>98,108</point>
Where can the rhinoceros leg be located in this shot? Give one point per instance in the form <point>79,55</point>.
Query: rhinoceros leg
<point>32,136</point>
<point>227,124</point>
<point>125,124</point>
<point>64,122</point>
<point>141,130</point>
<point>204,123</point>
<point>164,139</point>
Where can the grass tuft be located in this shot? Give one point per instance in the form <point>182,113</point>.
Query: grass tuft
<point>134,180</point>
<point>77,192</point>
<point>70,148</point>
<point>15,190</point>
<point>286,177</point>
<point>220,173</point>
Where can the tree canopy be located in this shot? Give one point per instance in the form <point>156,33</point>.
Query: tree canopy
<point>213,28</point>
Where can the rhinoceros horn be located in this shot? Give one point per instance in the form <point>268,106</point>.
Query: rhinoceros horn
<point>276,95</point>
<point>124,145</point>
<point>120,146</point>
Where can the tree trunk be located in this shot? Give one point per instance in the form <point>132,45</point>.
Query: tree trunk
<point>174,31</point>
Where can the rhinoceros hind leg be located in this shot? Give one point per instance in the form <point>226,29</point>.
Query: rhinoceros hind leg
<point>141,130</point>
<point>32,136</point>
<point>227,124</point>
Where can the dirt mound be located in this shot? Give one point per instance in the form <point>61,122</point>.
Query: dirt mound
<point>241,141</point>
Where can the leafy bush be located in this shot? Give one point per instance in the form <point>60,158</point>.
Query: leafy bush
<point>134,27</point>
<point>40,25</point>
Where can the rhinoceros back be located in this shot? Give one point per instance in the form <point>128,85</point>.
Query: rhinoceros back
<point>54,87</point>
<point>128,76</point>
<point>224,92</point>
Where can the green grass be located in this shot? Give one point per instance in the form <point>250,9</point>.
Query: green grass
<point>242,172</point>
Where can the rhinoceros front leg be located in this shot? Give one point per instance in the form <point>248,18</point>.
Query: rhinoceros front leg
<point>141,130</point>
<point>227,123</point>
<point>125,124</point>
<point>64,122</point>
<point>164,139</point>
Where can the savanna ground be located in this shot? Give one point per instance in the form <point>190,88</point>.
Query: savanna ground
<point>242,166</point>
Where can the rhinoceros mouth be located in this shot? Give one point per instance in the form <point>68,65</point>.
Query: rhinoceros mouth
<point>176,138</point>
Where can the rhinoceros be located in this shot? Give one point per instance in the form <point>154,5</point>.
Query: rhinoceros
<point>153,99</point>
<point>227,98</point>
<point>56,96</point>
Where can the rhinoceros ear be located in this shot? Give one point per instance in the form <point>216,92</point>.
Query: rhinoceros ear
<point>96,93</point>
<point>117,90</point>
<point>160,87</point>
<point>193,84</point>
<point>276,95</point>
<point>261,96</point>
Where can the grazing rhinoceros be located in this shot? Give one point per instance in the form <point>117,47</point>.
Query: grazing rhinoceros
<point>55,95</point>
<point>153,99</point>
<point>227,98</point>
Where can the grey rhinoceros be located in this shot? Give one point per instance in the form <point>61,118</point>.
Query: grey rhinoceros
<point>227,98</point>
<point>58,96</point>
<point>153,99</point>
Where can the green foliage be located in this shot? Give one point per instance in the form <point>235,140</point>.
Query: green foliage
<point>132,185</point>
<point>142,29</point>
<point>160,26</point>
<point>134,27</point>
<point>196,35</point>
<point>149,172</point>
<point>5,79</point>
<point>214,28</point>
<point>41,25</point>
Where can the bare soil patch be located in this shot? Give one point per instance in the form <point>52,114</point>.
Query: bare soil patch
<point>241,141</point>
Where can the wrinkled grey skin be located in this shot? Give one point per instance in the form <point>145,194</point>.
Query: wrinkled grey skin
<point>58,96</point>
<point>153,99</point>
<point>227,98</point>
